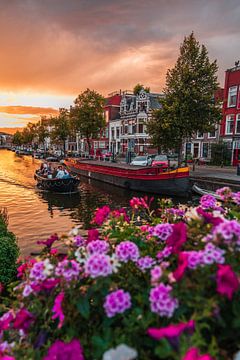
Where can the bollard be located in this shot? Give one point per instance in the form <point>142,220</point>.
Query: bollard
<point>238,169</point>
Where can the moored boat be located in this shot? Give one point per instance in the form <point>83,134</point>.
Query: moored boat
<point>146,179</point>
<point>67,185</point>
<point>198,190</point>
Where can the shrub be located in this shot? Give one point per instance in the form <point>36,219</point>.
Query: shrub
<point>8,252</point>
<point>158,284</point>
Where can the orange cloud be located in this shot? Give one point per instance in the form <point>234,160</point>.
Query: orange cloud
<point>32,110</point>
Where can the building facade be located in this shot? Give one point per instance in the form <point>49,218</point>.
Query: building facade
<point>199,146</point>
<point>230,126</point>
<point>129,133</point>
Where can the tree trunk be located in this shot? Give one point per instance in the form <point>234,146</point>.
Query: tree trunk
<point>180,155</point>
<point>89,145</point>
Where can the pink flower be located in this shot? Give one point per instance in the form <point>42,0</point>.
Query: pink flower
<point>101,215</point>
<point>49,242</point>
<point>209,218</point>
<point>182,266</point>
<point>6,320</point>
<point>227,281</point>
<point>93,234</point>
<point>60,350</point>
<point>178,237</point>
<point>172,330</point>
<point>208,202</point>
<point>161,300</point>
<point>6,357</point>
<point>126,251</point>
<point>57,309</point>
<point>23,320</point>
<point>193,354</point>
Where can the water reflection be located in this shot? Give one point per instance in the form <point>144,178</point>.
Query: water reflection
<point>34,215</point>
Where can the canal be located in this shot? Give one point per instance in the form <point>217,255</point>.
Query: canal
<point>34,215</point>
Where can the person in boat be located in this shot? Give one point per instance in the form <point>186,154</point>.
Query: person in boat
<point>62,173</point>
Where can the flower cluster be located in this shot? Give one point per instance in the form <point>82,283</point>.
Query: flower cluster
<point>208,202</point>
<point>161,300</point>
<point>98,265</point>
<point>126,251</point>
<point>68,269</point>
<point>101,215</point>
<point>41,270</point>
<point>97,246</point>
<point>145,262</point>
<point>162,231</point>
<point>117,302</point>
<point>229,232</point>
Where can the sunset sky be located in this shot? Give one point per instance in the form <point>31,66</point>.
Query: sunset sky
<point>51,50</point>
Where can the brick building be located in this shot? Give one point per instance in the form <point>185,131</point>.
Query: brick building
<point>230,126</point>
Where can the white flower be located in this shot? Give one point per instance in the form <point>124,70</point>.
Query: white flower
<point>121,352</point>
<point>115,263</point>
<point>81,255</point>
<point>48,267</point>
<point>192,214</point>
<point>74,231</point>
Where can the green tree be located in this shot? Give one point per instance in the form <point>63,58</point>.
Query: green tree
<point>61,127</point>
<point>17,138</point>
<point>189,104</point>
<point>42,130</point>
<point>87,115</point>
<point>138,87</point>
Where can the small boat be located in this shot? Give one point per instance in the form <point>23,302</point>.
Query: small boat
<point>138,178</point>
<point>67,185</point>
<point>201,191</point>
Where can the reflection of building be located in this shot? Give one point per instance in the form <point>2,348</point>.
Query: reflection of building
<point>5,140</point>
<point>230,127</point>
<point>200,145</point>
<point>135,112</point>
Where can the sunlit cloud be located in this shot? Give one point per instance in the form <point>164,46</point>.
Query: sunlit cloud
<point>53,50</point>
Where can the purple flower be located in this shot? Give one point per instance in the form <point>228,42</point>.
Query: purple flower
<point>78,240</point>
<point>225,193</point>
<point>98,265</point>
<point>41,270</point>
<point>212,254</point>
<point>117,302</point>
<point>145,262</point>
<point>208,202</point>
<point>229,231</point>
<point>165,253</point>
<point>156,274</point>
<point>97,246</point>
<point>162,231</point>
<point>60,350</point>
<point>236,197</point>
<point>126,251</point>
<point>175,212</point>
<point>161,300</point>
<point>69,269</point>
<point>195,259</point>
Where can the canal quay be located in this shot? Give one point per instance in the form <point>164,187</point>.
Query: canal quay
<point>34,215</point>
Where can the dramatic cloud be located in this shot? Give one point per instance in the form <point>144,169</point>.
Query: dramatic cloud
<point>51,50</point>
<point>65,46</point>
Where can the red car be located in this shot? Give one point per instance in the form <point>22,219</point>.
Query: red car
<point>160,160</point>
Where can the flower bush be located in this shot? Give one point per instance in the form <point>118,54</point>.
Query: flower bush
<point>145,284</point>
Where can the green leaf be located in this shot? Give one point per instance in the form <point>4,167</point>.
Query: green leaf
<point>84,307</point>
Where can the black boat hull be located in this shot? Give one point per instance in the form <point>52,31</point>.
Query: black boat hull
<point>57,185</point>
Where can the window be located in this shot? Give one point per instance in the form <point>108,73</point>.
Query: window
<point>237,129</point>
<point>232,96</point>
<point>199,135</point>
<point>205,150</point>
<point>212,134</point>
<point>229,124</point>
<point>140,128</point>
<point>112,132</point>
<point>118,132</point>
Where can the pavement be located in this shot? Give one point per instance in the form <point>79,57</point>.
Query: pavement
<point>225,173</point>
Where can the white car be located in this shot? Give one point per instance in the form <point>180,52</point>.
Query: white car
<point>141,161</point>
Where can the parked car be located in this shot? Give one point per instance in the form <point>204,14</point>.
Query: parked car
<point>160,160</point>
<point>141,161</point>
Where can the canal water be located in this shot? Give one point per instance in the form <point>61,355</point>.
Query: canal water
<point>34,215</point>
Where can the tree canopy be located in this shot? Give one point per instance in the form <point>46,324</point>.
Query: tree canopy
<point>87,115</point>
<point>61,127</point>
<point>188,105</point>
<point>138,87</point>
